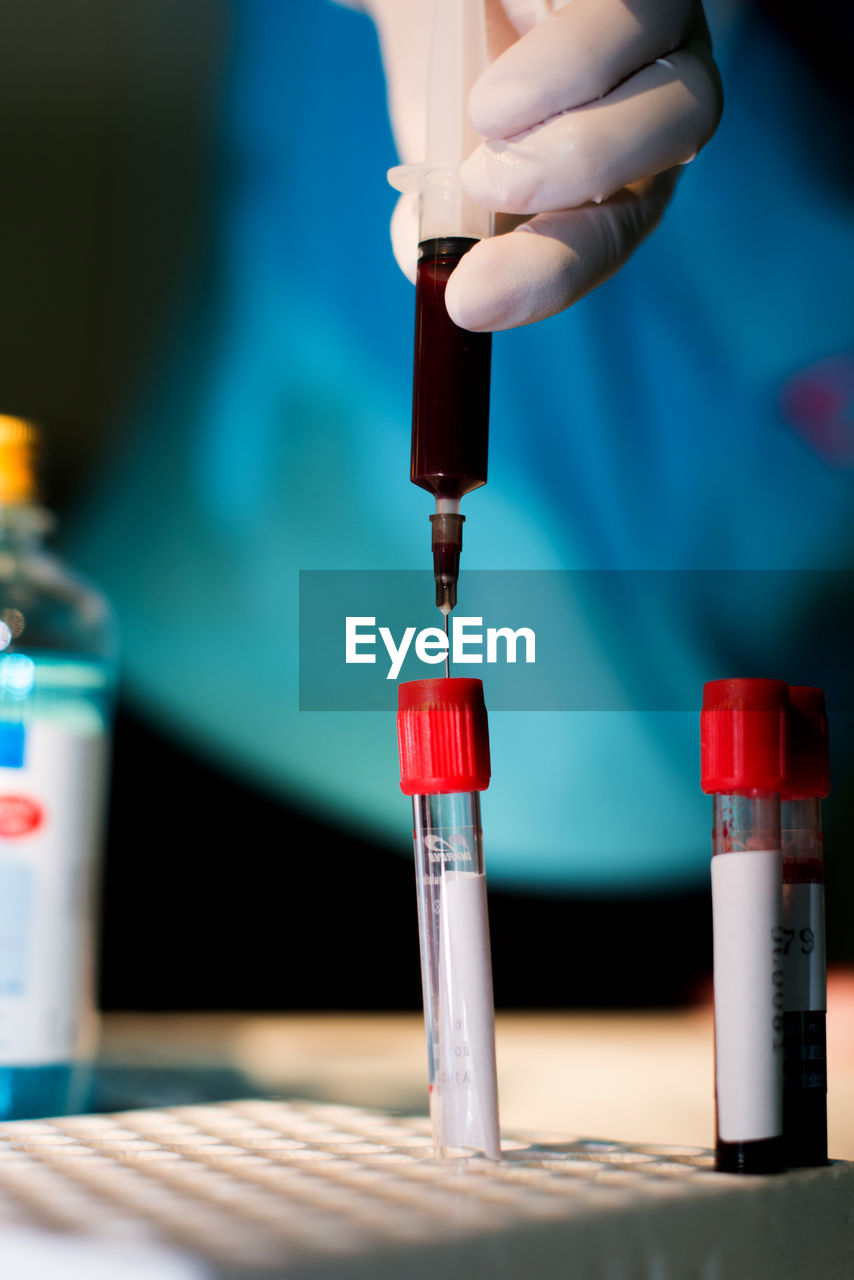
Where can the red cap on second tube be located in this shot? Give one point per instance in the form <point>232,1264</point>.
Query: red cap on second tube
<point>807,750</point>
<point>443,736</point>
<point>743,735</point>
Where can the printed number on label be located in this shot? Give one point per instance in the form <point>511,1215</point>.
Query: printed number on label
<point>806,937</point>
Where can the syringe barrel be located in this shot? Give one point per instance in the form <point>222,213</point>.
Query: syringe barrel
<point>450,390</point>
<point>456,974</point>
<point>742,729</point>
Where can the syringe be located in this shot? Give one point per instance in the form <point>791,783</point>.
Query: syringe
<point>450,402</point>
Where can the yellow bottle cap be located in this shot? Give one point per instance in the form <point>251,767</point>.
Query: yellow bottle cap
<point>19,441</point>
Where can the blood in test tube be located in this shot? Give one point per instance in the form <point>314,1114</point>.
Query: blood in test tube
<point>805,1006</point>
<point>450,399</point>
<point>742,745</point>
<point>444,765</point>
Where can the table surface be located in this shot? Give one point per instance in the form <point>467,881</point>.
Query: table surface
<point>638,1077</point>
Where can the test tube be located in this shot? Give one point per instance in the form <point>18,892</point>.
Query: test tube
<point>444,765</point>
<point>804,1017</point>
<point>742,743</point>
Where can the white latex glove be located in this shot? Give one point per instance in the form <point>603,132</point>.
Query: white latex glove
<point>588,109</point>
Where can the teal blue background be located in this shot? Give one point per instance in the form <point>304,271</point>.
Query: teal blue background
<point>646,429</point>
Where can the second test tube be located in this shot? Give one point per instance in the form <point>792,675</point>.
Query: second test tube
<point>444,763</point>
<point>805,981</point>
<point>742,730</point>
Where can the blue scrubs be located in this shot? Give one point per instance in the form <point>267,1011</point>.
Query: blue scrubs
<point>691,414</point>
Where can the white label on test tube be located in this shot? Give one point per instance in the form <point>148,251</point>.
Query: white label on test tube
<point>466,1079</point>
<point>746,896</point>
<point>803,947</point>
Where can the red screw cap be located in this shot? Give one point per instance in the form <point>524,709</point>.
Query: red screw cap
<point>807,750</point>
<point>743,735</point>
<point>443,736</point>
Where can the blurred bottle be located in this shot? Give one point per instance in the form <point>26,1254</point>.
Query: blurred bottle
<point>57,678</point>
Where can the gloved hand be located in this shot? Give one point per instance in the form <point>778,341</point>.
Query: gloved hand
<point>588,109</point>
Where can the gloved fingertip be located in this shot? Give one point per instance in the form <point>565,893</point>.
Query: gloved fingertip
<point>509,281</point>
<point>500,103</point>
<point>404,235</point>
<point>464,306</point>
<point>488,291</point>
<point>503,176</point>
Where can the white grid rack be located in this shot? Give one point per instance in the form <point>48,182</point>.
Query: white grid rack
<point>267,1188</point>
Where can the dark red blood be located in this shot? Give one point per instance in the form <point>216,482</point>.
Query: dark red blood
<point>805,1087</point>
<point>450,401</point>
<point>762,1156</point>
<point>803,871</point>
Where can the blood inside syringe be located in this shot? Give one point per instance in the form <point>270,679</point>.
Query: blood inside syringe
<point>450,405</point>
<point>450,408</point>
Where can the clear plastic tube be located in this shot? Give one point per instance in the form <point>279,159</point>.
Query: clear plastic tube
<point>748,962</point>
<point>458,54</point>
<point>456,974</point>
<point>804,1018</point>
